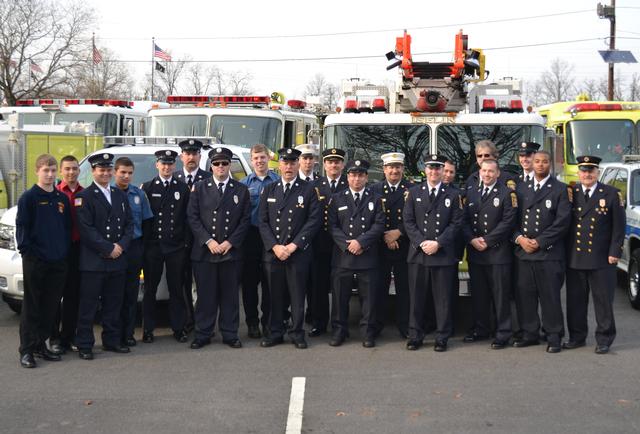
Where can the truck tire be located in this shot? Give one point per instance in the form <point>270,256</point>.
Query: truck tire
<point>633,287</point>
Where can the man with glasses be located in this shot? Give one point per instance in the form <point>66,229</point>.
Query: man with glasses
<point>190,174</point>
<point>486,150</point>
<point>432,217</point>
<point>165,240</point>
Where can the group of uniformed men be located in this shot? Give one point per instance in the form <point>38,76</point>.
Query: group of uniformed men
<point>303,237</point>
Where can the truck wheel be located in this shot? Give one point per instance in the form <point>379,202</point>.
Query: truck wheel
<point>633,288</point>
<point>15,305</point>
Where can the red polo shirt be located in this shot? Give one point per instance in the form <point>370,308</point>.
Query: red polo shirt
<point>71,195</point>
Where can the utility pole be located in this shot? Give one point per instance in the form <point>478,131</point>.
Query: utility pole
<point>609,12</point>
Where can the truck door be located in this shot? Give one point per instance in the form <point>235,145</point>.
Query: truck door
<point>289,133</point>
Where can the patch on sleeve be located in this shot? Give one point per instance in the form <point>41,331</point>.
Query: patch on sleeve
<point>511,184</point>
<point>570,193</point>
<point>406,195</point>
<point>514,199</point>
<point>621,199</point>
<point>460,201</point>
<point>77,201</point>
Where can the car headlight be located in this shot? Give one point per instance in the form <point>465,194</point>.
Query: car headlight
<point>7,237</point>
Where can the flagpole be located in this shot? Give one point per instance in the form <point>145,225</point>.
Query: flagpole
<point>29,71</point>
<point>153,50</point>
<point>93,62</point>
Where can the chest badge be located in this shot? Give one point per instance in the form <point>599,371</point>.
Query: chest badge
<point>235,199</point>
<point>370,206</point>
<point>177,195</point>
<point>447,202</point>
<point>300,200</point>
<point>602,203</point>
<point>547,203</point>
<point>136,200</point>
<point>496,202</point>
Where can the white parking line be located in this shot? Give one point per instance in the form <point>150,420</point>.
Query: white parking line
<point>296,405</point>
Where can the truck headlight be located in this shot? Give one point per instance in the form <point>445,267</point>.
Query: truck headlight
<point>7,237</point>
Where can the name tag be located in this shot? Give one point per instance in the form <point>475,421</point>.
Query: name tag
<point>418,199</point>
<point>342,208</point>
<point>156,195</point>
<point>271,199</point>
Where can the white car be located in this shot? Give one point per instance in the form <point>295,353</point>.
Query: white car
<point>625,177</point>
<point>11,279</point>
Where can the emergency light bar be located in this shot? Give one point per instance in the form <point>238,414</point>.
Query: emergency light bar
<point>221,99</point>
<point>605,107</point>
<point>61,102</point>
<point>296,104</point>
<point>492,105</point>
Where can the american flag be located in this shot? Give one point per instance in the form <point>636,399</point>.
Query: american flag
<point>159,53</point>
<point>97,57</point>
<point>35,67</point>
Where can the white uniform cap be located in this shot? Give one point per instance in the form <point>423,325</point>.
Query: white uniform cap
<point>308,148</point>
<point>392,157</point>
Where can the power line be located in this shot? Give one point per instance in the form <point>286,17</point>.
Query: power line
<point>355,32</point>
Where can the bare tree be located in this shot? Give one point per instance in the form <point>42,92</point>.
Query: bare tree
<point>40,43</point>
<point>107,79</point>
<point>603,87</point>
<point>330,96</point>
<point>204,81</point>
<point>171,77</point>
<point>533,93</point>
<point>590,89</point>
<point>557,84</point>
<point>316,86</point>
<point>634,87</point>
<point>328,92</point>
<point>239,83</point>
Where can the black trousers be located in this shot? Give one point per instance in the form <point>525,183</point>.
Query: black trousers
<point>217,288</point>
<point>43,286</point>
<point>253,274</point>
<point>64,328</point>
<point>287,282</point>
<point>154,263</point>
<point>602,284</point>
<point>400,270</point>
<point>540,281</point>
<point>491,290</point>
<point>436,282</point>
<point>320,288</point>
<point>368,283</point>
<point>107,288</point>
<point>131,287</point>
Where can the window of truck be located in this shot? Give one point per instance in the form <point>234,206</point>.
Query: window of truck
<point>179,126</point>
<point>247,131</point>
<point>607,139</point>
<point>103,123</point>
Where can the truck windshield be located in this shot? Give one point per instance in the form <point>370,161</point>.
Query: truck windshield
<point>457,142</point>
<point>101,123</point>
<point>179,126</point>
<point>247,131</point>
<point>608,139</point>
<point>369,142</point>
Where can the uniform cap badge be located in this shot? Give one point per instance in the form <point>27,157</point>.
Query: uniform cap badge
<point>167,152</point>
<point>105,156</point>
<point>357,162</point>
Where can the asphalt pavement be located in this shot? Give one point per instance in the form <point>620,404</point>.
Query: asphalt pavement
<point>165,387</point>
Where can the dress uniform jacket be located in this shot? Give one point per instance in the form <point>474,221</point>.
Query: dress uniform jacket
<point>393,206</point>
<point>544,216</point>
<point>505,178</point>
<point>494,219</point>
<point>292,219</point>
<point>169,226</point>
<point>221,218</point>
<point>200,176</point>
<point>597,229</point>
<point>439,221</point>
<point>101,225</point>
<point>364,223</point>
<point>324,242</point>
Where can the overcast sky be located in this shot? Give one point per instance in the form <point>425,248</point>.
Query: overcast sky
<point>224,30</point>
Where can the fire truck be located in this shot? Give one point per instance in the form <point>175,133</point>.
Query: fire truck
<point>108,117</point>
<point>227,119</point>
<point>435,108</point>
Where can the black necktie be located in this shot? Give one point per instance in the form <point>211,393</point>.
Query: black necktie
<point>393,189</point>
<point>166,184</point>
<point>220,188</point>
<point>357,199</point>
<point>287,187</point>
<point>537,188</point>
<point>432,196</point>
<point>190,180</point>
<point>333,186</point>
<point>485,193</point>
<point>527,179</point>
<point>586,193</point>
<point>307,179</point>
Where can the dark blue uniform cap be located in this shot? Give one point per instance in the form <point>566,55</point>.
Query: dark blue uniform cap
<point>289,154</point>
<point>101,160</point>
<point>220,153</point>
<point>435,160</point>
<point>333,153</point>
<point>528,148</point>
<point>358,166</point>
<point>190,145</point>
<point>588,162</point>
<point>166,156</point>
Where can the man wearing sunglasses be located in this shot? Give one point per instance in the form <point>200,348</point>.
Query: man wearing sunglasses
<point>219,214</point>
<point>486,150</point>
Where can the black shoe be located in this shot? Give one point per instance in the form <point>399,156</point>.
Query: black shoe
<point>336,341</point>
<point>369,343</point>
<point>27,361</point>
<point>147,337</point>
<point>116,349</point>
<point>522,343</point>
<point>602,349</point>
<point>270,342</point>
<point>498,344</point>
<point>233,343</point>
<point>553,348</point>
<point>85,354</point>
<point>254,332</point>
<point>47,355</point>
<point>58,349</point>
<point>199,343</point>
<point>474,337</point>
<point>440,346</point>
<point>300,344</point>
<point>572,345</point>
<point>181,336</point>
<point>315,332</point>
<point>129,342</point>
<point>413,345</point>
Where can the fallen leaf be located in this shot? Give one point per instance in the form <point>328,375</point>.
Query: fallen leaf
<point>341,413</point>
<point>458,395</point>
<point>88,402</point>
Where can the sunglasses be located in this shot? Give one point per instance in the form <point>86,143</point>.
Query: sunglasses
<point>220,163</point>
<point>484,155</point>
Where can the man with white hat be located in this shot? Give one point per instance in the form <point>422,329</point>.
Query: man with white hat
<point>395,244</point>
<point>308,160</point>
